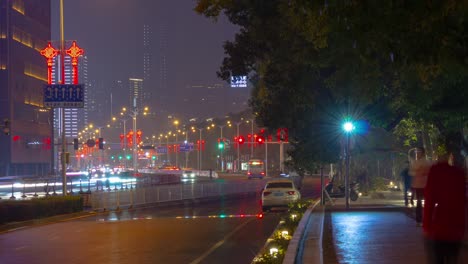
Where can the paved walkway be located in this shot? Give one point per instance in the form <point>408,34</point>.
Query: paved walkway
<point>377,229</point>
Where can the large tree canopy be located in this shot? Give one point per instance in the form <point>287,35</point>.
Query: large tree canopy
<point>314,63</point>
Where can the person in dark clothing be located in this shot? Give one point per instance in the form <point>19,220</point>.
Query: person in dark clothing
<point>444,212</point>
<point>406,179</point>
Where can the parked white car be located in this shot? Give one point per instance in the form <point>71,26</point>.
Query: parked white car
<point>279,193</point>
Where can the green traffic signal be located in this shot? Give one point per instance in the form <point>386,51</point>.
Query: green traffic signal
<point>112,157</point>
<point>221,145</point>
<point>120,157</point>
<point>153,157</point>
<point>129,157</point>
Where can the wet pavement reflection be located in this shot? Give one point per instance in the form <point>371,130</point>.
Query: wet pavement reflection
<point>365,237</point>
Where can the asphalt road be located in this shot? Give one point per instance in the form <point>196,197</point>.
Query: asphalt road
<point>222,231</point>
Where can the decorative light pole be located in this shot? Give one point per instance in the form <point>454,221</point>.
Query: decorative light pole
<point>124,139</point>
<point>348,127</point>
<point>200,151</point>
<point>251,137</point>
<point>134,114</point>
<point>238,146</point>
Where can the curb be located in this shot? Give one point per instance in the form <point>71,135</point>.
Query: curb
<point>294,253</point>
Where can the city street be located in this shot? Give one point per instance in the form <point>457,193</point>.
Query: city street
<point>203,233</point>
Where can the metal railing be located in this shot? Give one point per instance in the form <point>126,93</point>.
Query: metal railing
<point>159,194</point>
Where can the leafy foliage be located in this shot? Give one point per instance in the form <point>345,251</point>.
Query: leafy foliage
<point>314,63</point>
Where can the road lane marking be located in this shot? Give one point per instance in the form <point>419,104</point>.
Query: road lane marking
<point>219,243</point>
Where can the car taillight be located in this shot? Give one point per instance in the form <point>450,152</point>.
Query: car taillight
<point>248,173</point>
<point>266,193</point>
<point>291,192</point>
<point>262,173</point>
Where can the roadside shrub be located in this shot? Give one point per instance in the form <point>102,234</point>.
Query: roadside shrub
<point>279,240</point>
<point>22,210</point>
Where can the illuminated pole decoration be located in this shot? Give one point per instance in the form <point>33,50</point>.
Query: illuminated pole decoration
<point>74,52</point>
<point>49,53</point>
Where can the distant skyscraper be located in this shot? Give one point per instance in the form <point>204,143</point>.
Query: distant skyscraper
<point>161,91</point>
<point>202,99</point>
<point>136,92</point>
<point>147,89</point>
<point>25,29</point>
<point>99,100</point>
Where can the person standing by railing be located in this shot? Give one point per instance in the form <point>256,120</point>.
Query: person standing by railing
<point>419,170</point>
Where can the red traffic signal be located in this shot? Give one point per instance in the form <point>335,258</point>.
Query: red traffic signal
<point>240,140</point>
<point>260,139</point>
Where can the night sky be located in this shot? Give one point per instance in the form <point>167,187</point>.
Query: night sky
<point>111,33</point>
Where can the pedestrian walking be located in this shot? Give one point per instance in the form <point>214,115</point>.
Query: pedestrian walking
<point>444,212</point>
<point>419,170</point>
<point>406,179</point>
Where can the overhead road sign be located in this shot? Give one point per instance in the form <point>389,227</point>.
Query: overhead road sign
<point>64,95</point>
<point>161,149</point>
<point>186,147</point>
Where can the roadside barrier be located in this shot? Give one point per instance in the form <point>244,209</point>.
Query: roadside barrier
<point>131,197</point>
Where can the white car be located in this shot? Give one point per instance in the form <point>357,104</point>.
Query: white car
<point>279,193</point>
<point>188,174</point>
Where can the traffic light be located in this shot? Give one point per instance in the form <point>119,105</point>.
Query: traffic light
<point>112,157</point>
<point>240,140</point>
<point>101,143</point>
<point>221,145</point>
<point>75,144</point>
<point>6,127</point>
<point>153,157</point>
<point>129,157</point>
<point>260,139</point>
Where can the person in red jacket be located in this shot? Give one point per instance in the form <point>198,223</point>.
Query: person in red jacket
<point>444,211</point>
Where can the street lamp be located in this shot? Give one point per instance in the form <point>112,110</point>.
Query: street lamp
<point>222,148</point>
<point>348,128</point>
<point>199,151</point>
<point>176,124</point>
<point>124,136</point>
<point>238,146</point>
<point>251,137</point>
<point>134,114</point>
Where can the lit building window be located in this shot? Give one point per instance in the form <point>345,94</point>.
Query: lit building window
<point>18,5</point>
<point>22,37</point>
<point>35,72</point>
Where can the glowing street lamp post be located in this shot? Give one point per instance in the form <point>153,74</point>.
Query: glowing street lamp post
<point>348,127</point>
<point>133,114</point>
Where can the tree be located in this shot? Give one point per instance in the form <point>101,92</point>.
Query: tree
<point>312,61</point>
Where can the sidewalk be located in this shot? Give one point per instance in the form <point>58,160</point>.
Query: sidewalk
<point>378,229</point>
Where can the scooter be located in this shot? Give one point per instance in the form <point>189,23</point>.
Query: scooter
<point>353,191</point>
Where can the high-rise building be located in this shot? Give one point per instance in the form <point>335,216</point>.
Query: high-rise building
<point>147,91</point>
<point>25,28</point>
<point>162,92</point>
<point>136,98</point>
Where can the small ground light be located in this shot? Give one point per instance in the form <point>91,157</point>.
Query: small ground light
<point>284,233</point>
<point>293,216</point>
<point>273,251</point>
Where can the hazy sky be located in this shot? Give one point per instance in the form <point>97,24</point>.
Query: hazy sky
<point>111,33</point>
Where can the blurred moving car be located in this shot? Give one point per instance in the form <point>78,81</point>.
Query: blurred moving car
<point>168,167</point>
<point>188,174</point>
<point>279,193</point>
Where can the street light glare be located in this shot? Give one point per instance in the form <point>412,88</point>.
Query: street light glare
<point>348,126</point>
